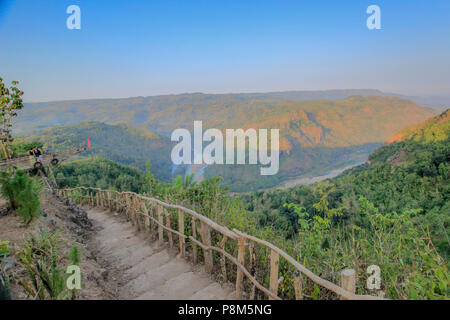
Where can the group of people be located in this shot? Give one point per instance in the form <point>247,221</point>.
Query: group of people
<point>37,153</point>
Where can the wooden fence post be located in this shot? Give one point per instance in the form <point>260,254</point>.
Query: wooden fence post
<point>194,235</point>
<point>137,216</point>
<point>206,240</point>
<point>181,230</point>
<point>223,262</point>
<point>240,274</point>
<point>123,203</point>
<point>252,256</point>
<point>298,285</point>
<point>274,266</point>
<point>129,209</point>
<point>160,228</point>
<point>147,218</point>
<point>103,199</point>
<point>108,195</point>
<point>114,205</point>
<point>348,281</point>
<point>169,225</point>
<point>153,209</point>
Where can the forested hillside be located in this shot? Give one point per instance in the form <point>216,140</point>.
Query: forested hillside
<point>121,143</point>
<point>316,136</point>
<point>411,174</point>
<point>103,174</point>
<point>434,129</point>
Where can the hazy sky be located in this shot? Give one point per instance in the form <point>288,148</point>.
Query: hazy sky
<point>146,47</point>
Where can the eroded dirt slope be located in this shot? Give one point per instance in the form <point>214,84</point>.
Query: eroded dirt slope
<point>117,261</point>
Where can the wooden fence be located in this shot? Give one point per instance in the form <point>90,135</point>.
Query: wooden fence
<point>195,230</point>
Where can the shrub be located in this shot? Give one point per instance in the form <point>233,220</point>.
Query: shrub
<point>39,255</point>
<point>4,250</point>
<point>29,207</point>
<point>22,194</point>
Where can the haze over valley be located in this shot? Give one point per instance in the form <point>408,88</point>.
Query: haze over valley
<point>336,129</point>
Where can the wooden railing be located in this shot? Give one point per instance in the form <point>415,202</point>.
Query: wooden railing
<point>159,218</point>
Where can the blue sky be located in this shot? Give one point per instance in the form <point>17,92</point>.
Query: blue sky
<point>145,47</point>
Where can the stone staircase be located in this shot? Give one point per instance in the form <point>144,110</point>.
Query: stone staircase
<point>147,270</point>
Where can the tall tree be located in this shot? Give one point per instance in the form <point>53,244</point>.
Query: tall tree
<point>10,103</point>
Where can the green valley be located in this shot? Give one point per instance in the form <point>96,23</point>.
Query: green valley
<point>316,136</point>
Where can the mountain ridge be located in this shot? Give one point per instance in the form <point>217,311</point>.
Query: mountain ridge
<point>432,101</point>
<point>328,122</point>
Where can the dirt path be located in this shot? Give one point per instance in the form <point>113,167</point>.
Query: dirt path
<point>142,270</point>
<point>117,261</point>
<point>69,220</point>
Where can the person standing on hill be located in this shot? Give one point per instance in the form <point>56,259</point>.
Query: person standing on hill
<point>37,153</point>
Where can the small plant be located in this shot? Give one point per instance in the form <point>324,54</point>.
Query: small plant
<point>74,255</point>
<point>30,204</point>
<point>4,250</point>
<point>22,193</point>
<point>5,293</point>
<point>39,255</point>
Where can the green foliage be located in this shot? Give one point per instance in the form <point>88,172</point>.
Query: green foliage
<point>300,162</point>
<point>120,143</point>
<point>74,255</point>
<point>4,250</point>
<point>321,236</point>
<point>10,103</point>
<point>21,148</point>
<point>432,130</point>
<point>29,202</point>
<point>104,174</point>
<point>22,193</point>
<point>326,244</point>
<point>39,254</point>
<point>5,290</point>
<point>392,212</point>
<point>420,181</point>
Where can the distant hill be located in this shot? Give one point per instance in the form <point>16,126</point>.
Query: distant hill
<point>121,143</point>
<point>434,129</point>
<point>351,121</point>
<point>316,135</point>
